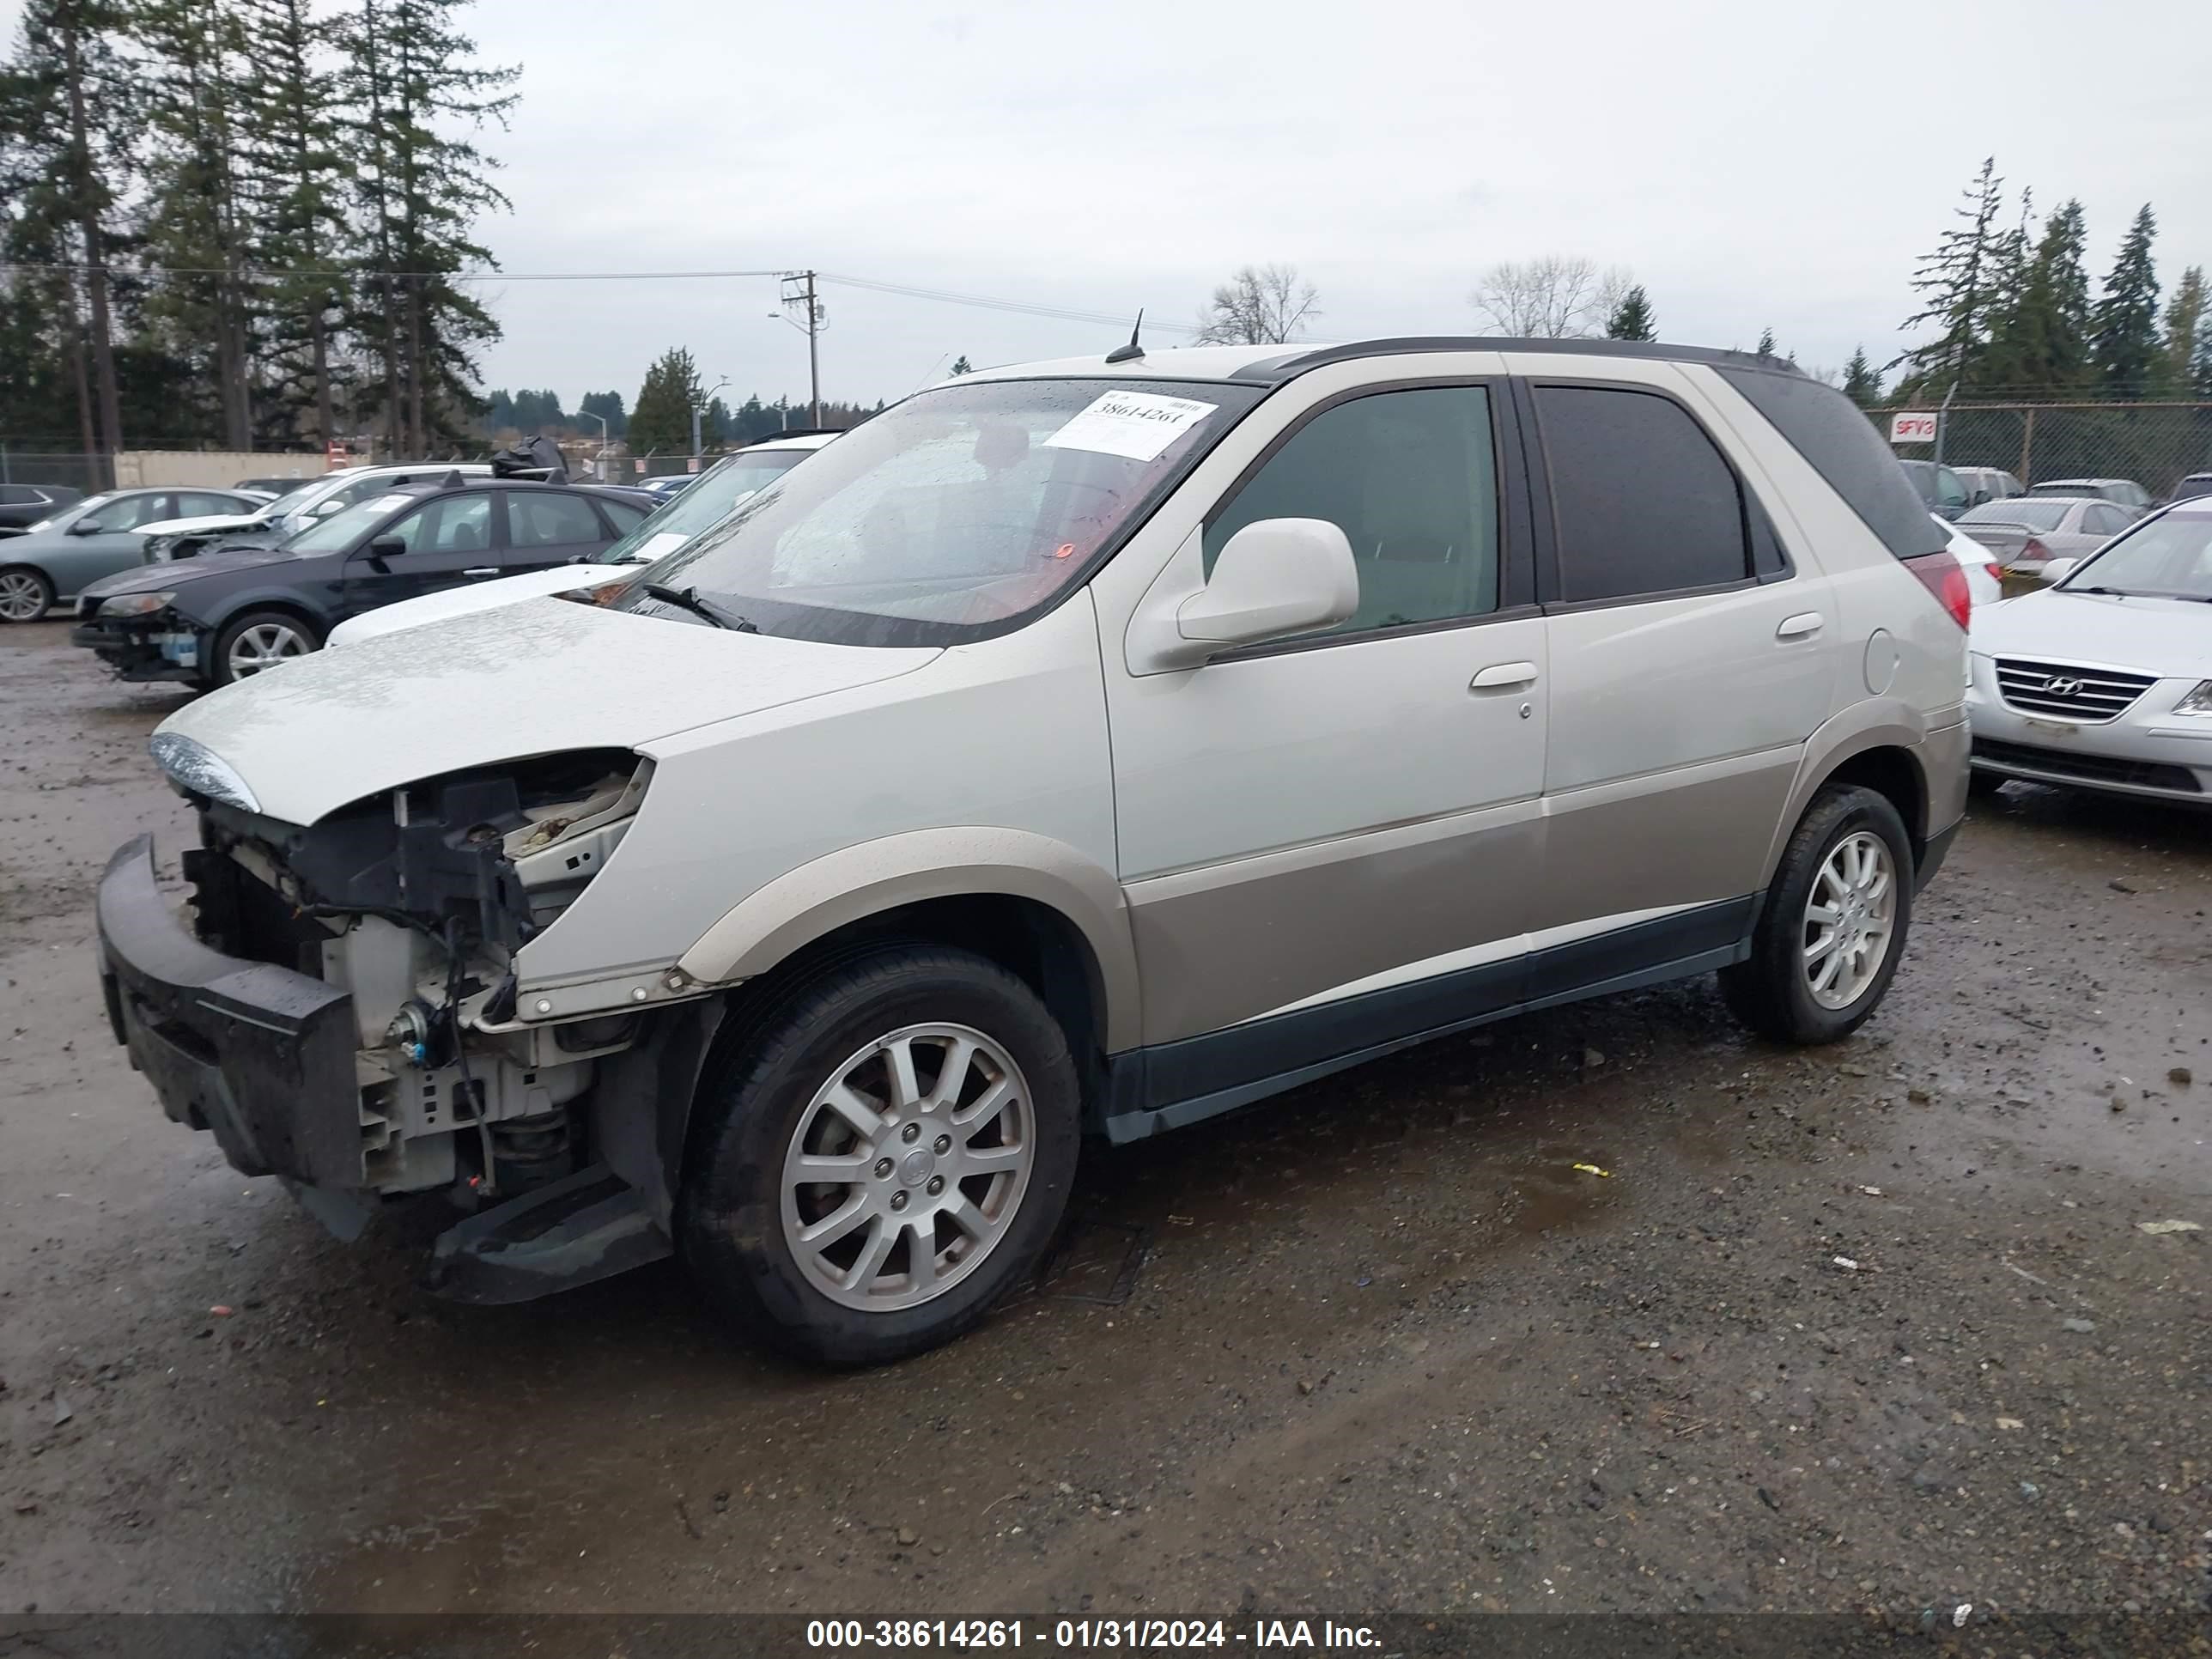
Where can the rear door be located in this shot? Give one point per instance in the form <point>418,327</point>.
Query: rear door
<point>547,526</point>
<point>1692,655</point>
<point>448,542</point>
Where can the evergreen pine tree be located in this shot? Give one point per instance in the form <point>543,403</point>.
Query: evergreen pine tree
<point>2186,339</point>
<point>291,182</point>
<point>1862,380</point>
<point>2004,366</point>
<point>661,420</point>
<point>67,123</point>
<point>410,83</point>
<point>2052,325</point>
<point>2124,329</point>
<point>1765,346</point>
<point>608,405</point>
<point>1953,283</point>
<point>1632,318</point>
<point>191,80</point>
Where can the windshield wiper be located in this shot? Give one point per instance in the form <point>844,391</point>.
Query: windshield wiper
<point>687,599</point>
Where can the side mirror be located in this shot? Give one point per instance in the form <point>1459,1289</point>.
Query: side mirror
<point>1277,577</point>
<point>383,548</point>
<point>2053,570</point>
<point>87,527</point>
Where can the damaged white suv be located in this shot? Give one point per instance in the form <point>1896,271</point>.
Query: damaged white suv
<point>1080,749</point>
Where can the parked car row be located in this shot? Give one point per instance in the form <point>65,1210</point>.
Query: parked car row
<point>23,506</point>
<point>56,557</point>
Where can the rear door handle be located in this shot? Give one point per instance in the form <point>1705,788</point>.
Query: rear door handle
<point>482,570</point>
<point>1803,626</point>
<point>1502,675</point>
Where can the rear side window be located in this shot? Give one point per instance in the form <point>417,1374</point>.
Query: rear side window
<point>1642,501</point>
<point>549,520</point>
<point>1841,445</point>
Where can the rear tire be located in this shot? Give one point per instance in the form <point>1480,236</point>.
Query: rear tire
<point>850,1197</point>
<point>26,594</point>
<point>257,642</point>
<point>1833,929</point>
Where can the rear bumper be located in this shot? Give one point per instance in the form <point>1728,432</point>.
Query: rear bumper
<point>259,1054</point>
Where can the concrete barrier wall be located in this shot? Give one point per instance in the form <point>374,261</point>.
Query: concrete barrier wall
<point>217,468</point>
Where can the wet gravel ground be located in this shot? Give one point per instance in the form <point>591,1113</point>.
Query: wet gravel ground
<point>1377,1345</point>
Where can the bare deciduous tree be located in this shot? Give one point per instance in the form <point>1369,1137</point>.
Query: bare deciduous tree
<point>1261,305</point>
<point>1556,297</point>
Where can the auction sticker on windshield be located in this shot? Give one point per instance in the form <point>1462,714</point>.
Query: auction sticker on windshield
<point>1139,425</point>
<point>666,542</point>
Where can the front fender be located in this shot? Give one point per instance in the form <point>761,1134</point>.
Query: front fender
<point>871,878</point>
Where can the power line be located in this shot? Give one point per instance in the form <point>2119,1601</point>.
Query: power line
<point>1021,307</point>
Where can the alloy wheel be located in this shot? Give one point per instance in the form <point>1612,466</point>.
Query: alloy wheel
<point>22,596</point>
<point>1851,917</point>
<point>906,1168</point>
<point>264,646</point>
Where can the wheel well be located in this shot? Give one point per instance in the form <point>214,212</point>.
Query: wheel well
<point>1892,773</point>
<point>296,611</point>
<point>1031,940</point>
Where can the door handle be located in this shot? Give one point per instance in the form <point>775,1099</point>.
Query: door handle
<point>482,570</point>
<point>1803,626</point>
<point>1504,676</point>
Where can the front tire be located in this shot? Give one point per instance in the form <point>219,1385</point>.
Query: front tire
<point>885,1153</point>
<point>257,642</point>
<point>25,595</point>
<point>1833,929</point>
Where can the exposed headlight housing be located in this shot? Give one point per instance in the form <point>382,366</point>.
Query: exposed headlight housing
<point>198,769</point>
<point>136,604</point>
<point>2198,701</point>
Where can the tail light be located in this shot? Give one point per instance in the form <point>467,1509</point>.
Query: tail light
<point>1943,576</point>
<point>2034,549</point>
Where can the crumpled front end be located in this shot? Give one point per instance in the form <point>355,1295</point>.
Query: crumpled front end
<point>338,1009</point>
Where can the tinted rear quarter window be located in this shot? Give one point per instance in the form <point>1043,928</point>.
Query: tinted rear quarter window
<point>1643,501</point>
<point>1840,444</point>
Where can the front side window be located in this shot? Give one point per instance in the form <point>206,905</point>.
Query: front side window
<point>1950,491</point>
<point>2167,558</point>
<point>549,520</point>
<point>1642,501</point>
<point>2107,520</point>
<point>1411,477</point>
<point>197,504</point>
<point>128,512</point>
<point>956,515</point>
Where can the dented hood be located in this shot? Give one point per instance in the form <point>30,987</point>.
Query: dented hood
<point>538,678</point>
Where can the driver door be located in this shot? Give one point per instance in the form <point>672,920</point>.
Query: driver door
<point>448,543</point>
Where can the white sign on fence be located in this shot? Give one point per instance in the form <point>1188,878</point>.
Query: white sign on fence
<point>1912,428</point>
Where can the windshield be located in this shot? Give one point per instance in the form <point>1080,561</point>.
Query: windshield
<point>290,499</point>
<point>2036,515</point>
<point>2169,556</point>
<point>719,488</point>
<point>342,528</point>
<point>954,516</point>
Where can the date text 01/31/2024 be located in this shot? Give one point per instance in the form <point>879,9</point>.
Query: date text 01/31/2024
<point>972,1634</point>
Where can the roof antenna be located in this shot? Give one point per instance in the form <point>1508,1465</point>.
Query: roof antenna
<point>1131,352</point>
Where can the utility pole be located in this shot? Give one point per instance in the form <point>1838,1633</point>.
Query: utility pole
<point>798,290</point>
<point>697,410</point>
<point>600,466</point>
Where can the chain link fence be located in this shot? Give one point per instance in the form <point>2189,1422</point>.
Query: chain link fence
<point>2155,444</point>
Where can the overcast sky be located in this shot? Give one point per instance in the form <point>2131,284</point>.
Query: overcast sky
<point>1754,164</point>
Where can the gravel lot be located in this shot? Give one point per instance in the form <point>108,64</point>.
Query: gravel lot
<point>1376,1345</point>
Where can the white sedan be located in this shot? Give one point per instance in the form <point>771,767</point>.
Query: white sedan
<point>717,490</point>
<point>2103,681</point>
